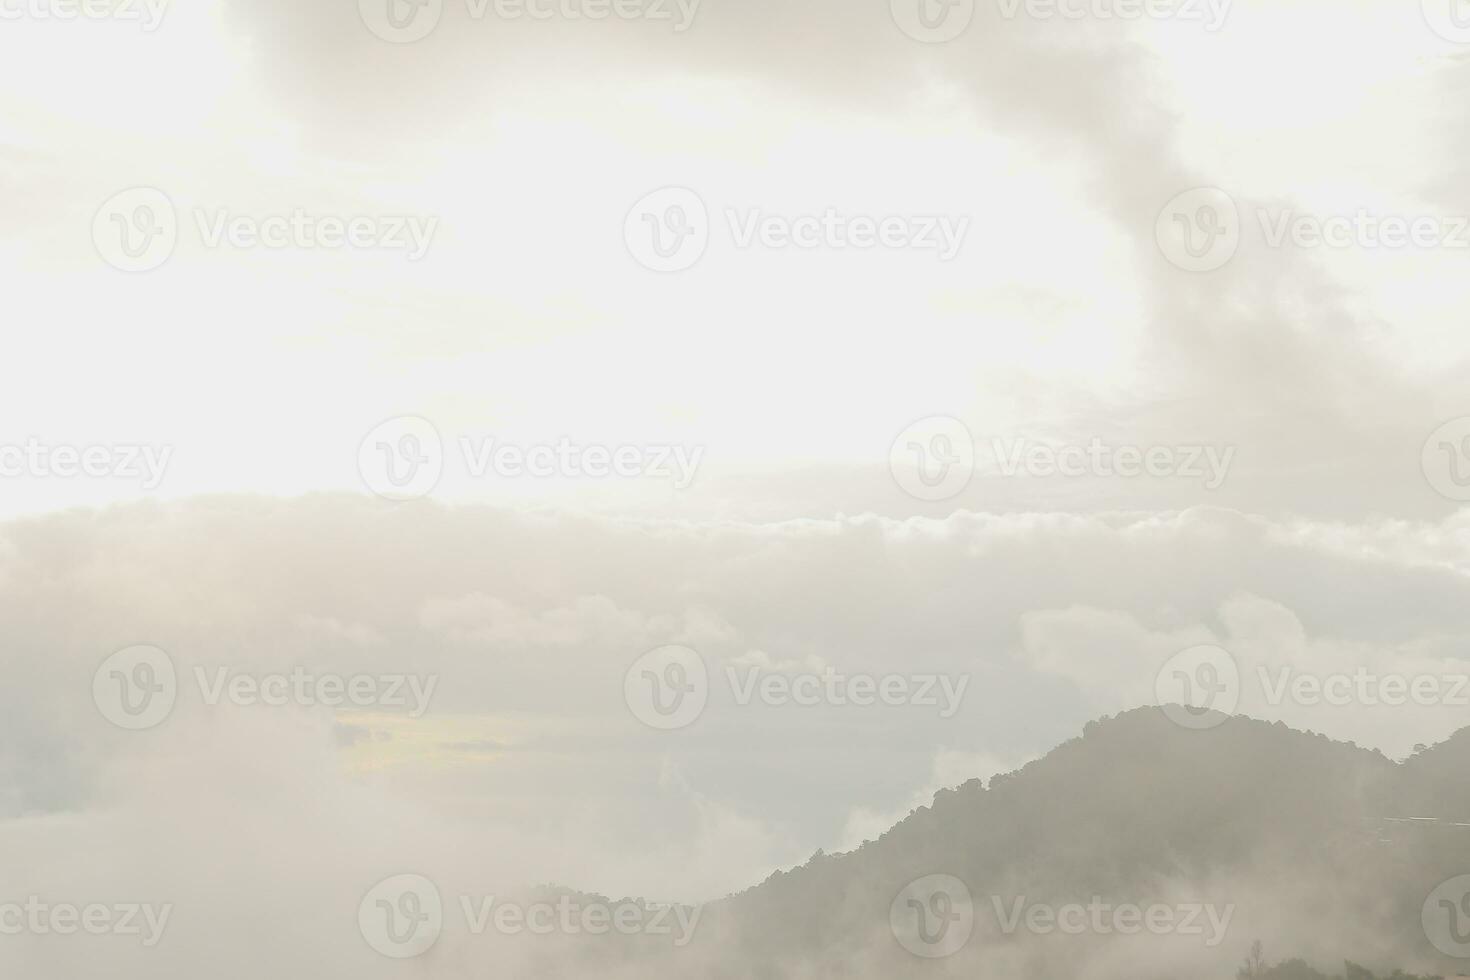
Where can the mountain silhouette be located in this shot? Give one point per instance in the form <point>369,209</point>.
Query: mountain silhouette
<point>1141,850</point>
<point>1325,850</point>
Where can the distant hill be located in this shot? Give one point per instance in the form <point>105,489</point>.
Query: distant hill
<point>1258,830</point>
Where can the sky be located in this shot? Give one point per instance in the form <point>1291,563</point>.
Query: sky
<point>1026,351</point>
